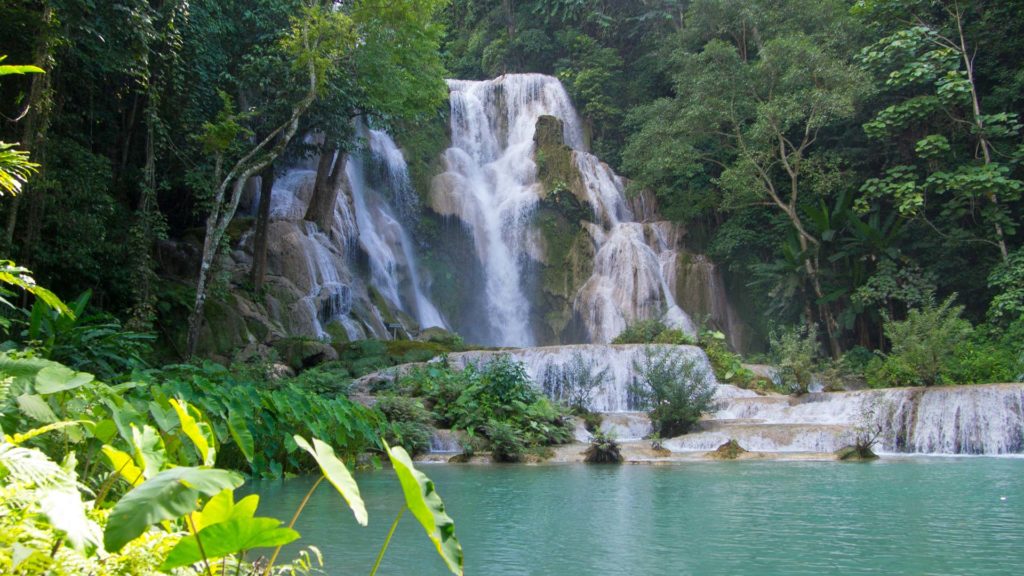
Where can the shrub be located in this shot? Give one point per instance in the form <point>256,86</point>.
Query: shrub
<point>673,388</point>
<point>496,398</point>
<point>603,449</point>
<point>979,361</point>
<point>728,365</point>
<point>329,379</point>
<point>506,445</point>
<point>794,351</point>
<point>410,423</point>
<point>927,339</point>
<point>640,332</point>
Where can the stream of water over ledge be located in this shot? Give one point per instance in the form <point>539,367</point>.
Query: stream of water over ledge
<point>917,515</point>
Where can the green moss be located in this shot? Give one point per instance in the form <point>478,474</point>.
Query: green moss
<point>731,450</point>
<point>856,453</point>
<point>238,226</point>
<point>423,142</point>
<point>556,169</point>
<point>225,328</point>
<point>337,333</point>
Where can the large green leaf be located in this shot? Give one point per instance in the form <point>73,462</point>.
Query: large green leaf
<point>223,507</point>
<point>35,407</point>
<point>190,426</point>
<point>123,464</point>
<point>230,537</point>
<point>53,379</point>
<point>337,474</point>
<point>426,505</point>
<point>239,429</point>
<point>23,370</point>
<point>169,495</point>
<point>150,453</point>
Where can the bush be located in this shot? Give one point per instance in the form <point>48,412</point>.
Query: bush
<point>979,361</point>
<point>728,365</point>
<point>329,379</point>
<point>794,351</point>
<point>497,398</point>
<point>603,449</point>
<point>506,444</point>
<point>410,423</point>
<point>926,340</point>
<point>640,332</point>
<point>673,388</point>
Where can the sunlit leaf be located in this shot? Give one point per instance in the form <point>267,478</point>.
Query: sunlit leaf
<point>426,505</point>
<point>230,537</point>
<point>169,495</point>
<point>337,474</point>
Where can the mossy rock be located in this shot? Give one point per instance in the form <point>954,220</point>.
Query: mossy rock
<point>556,167</point>
<point>856,454</point>
<point>730,450</point>
<point>302,353</point>
<point>238,226</point>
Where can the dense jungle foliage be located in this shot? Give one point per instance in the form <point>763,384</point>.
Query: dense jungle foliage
<point>850,160</point>
<point>853,166</point>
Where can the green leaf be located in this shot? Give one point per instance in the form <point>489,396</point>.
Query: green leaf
<point>24,69</point>
<point>36,408</point>
<point>426,505</point>
<point>230,537</point>
<point>223,507</point>
<point>337,474</point>
<point>239,429</point>
<point>149,449</point>
<point>189,425</point>
<point>123,464</point>
<point>53,379</point>
<point>169,495</point>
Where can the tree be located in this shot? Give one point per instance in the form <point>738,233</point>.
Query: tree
<point>929,61</point>
<point>394,72</point>
<point>748,127</point>
<point>318,38</point>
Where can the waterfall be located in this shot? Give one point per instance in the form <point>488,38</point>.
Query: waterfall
<point>978,419</point>
<point>490,183</point>
<point>381,235</point>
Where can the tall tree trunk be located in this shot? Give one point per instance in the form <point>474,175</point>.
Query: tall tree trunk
<point>325,190</point>
<point>259,251</point>
<point>37,121</point>
<point>979,122</point>
<point>227,194</point>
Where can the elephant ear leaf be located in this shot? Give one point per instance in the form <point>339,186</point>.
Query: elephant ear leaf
<point>230,537</point>
<point>239,430</point>
<point>426,505</point>
<point>53,379</point>
<point>337,474</point>
<point>166,496</point>
<point>194,430</point>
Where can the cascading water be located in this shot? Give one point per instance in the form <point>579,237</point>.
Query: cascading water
<point>979,419</point>
<point>381,234</point>
<point>490,183</point>
<point>317,263</point>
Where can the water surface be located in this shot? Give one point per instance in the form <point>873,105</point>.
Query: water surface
<point>894,516</point>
